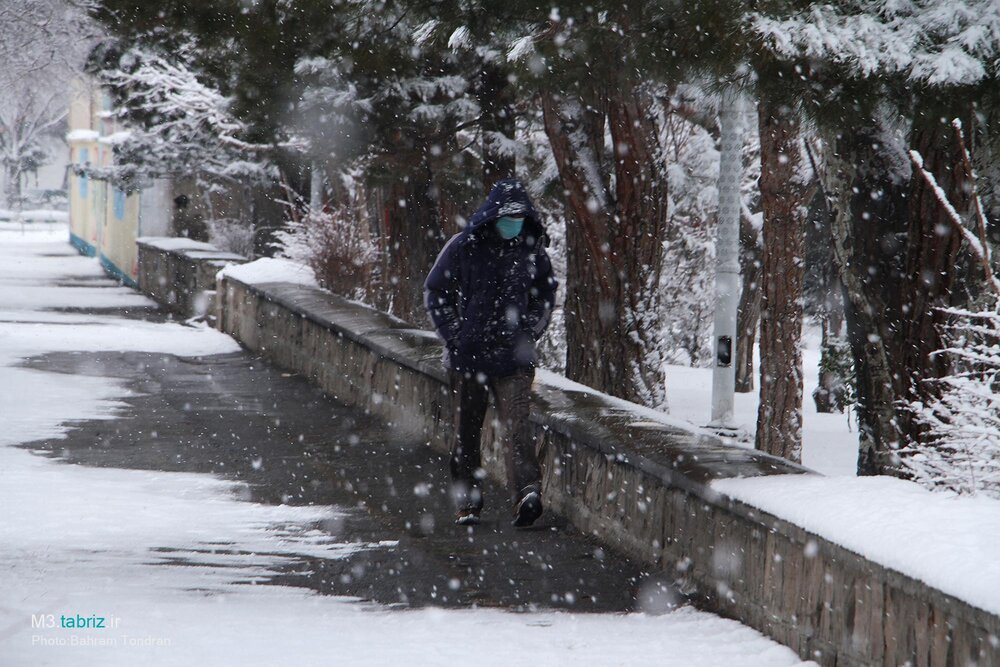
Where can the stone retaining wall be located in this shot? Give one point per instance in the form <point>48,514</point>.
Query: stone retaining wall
<point>637,484</point>
<point>180,273</point>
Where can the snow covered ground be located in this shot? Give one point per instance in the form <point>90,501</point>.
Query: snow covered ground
<point>169,559</point>
<point>34,215</point>
<point>829,441</point>
<point>946,541</point>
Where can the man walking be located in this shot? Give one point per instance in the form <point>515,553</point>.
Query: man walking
<point>490,295</point>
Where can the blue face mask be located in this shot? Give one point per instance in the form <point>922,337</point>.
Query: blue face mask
<point>509,227</point>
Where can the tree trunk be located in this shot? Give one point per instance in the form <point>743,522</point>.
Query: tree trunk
<point>412,237</point>
<point>823,288</point>
<point>496,100</point>
<point>830,394</point>
<point>12,185</point>
<point>748,315</point>
<point>784,194</point>
<point>639,226</point>
<point>899,259</point>
<point>933,247</point>
<point>614,241</point>
<point>869,212</point>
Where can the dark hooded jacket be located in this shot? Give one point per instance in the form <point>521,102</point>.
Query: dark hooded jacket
<point>492,298</point>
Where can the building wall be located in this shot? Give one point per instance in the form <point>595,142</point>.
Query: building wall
<point>156,208</point>
<point>83,148</point>
<point>83,227</point>
<point>104,220</point>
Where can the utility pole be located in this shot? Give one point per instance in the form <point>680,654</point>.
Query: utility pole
<point>727,251</point>
<point>316,181</point>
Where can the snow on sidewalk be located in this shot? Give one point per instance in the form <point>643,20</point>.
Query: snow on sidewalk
<point>170,558</point>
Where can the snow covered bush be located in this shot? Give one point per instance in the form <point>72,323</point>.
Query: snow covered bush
<point>231,235</point>
<point>962,450</point>
<point>961,447</point>
<point>334,243</point>
<point>836,368</point>
<point>688,278</point>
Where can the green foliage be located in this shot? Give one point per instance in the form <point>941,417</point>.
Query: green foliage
<point>837,362</point>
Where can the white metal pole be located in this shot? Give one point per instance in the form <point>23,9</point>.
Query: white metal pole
<point>727,250</point>
<point>316,181</point>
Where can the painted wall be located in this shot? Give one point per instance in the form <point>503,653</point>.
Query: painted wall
<point>104,220</point>
<point>83,147</point>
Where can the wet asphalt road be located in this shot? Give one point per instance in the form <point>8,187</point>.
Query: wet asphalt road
<point>235,416</point>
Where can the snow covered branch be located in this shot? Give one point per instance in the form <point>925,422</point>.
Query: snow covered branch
<point>978,245</point>
<point>178,125</point>
<point>933,42</point>
<point>961,451</point>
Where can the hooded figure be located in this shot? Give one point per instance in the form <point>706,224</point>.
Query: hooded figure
<point>491,298</point>
<point>490,295</point>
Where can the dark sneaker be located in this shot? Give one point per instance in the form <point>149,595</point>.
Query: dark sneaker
<point>528,508</point>
<point>467,517</point>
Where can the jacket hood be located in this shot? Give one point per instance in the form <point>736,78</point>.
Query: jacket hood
<point>508,197</point>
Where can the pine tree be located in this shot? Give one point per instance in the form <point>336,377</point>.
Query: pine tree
<point>894,264</point>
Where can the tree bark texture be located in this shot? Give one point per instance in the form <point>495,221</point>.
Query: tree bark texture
<point>869,213</point>
<point>12,185</point>
<point>748,313</point>
<point>784,194</point>
<point>899,260</point>
<point>823,288</point>
<point>933,254</point>
<point>831,389</point>
<point>614,239</point>
<point>411,238</point>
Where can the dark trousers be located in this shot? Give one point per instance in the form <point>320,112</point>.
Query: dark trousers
<point>512,402</point>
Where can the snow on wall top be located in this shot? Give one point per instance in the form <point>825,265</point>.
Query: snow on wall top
<point>83,135</point>
<point>174,243</point>
<point>270,270</point>
<point>949,542</point>
<point>639,413</point>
